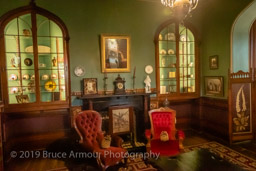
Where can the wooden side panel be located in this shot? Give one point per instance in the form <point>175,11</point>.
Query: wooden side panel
<point>34,130</point>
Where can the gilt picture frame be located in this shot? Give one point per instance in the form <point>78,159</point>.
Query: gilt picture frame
<point>90,86</point>
<point>120,120</point>
<point>115,53</point>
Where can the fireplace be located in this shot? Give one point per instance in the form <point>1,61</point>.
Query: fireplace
<point>139,103</point>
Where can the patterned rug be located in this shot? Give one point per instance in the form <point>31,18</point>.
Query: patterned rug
<point>232,156</point>
<point>137,164</point>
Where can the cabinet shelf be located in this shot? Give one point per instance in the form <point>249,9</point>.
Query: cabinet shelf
<point>48,55</point>
<point>180,63</point>
<point>167,79</point>
<point>167,67</point>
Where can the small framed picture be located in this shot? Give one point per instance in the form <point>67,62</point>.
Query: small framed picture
<point>213,61</point>
<point>22,98</point>
<point>120,119</point>
<point>214,86</point>
<point>90,86</point>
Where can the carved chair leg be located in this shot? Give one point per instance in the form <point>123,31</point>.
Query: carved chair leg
<point>181,144</point>
<point>100,164</point>
<point>148,146</point>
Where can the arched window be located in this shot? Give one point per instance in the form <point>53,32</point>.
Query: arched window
<point>176,60</point>
<point>34,57</point>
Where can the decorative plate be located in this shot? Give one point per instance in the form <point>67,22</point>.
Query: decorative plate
<point>163,52</point>
<point>28,62</point>
<point>13,77</point>
<point>45,77</point>
<point>50,85</point>
<point>170,51</point>
<point>25,77</point>
<point>54,76</point>
<point>14,90</point>
<point>183,38</point>
<point>149,69</point>
<point>79,71</point>
<point>32,77</point>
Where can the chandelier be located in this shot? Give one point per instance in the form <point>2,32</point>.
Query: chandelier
<point>181,7</point>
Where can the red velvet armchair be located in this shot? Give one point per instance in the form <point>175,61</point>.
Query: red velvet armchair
<point>163,120</point>
<point>88,126</point>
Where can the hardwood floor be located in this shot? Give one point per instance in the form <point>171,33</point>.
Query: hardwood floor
<point>45,164</point>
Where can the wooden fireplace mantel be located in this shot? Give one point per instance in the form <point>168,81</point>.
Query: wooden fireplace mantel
<point>139,101</point>
<point>88,100</point>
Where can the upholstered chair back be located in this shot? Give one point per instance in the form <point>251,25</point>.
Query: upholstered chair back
<point>163,120</point>
<point>89,125</point>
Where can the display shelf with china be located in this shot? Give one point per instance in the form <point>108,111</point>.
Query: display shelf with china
<point>176,60</point>
<point>35,59</point>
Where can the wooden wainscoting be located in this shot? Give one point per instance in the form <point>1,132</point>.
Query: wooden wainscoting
<point>211,116</point>
<point>204,114</point>
<point>184,110</point>
<point>34,130</point>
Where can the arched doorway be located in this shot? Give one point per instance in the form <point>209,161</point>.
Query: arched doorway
<point>242,85</point>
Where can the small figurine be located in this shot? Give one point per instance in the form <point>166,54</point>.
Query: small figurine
<point>147,81</point>
<point>54,62</point>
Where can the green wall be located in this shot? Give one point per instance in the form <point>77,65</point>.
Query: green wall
<point>217,21</point>
<point>87,19</point>
<point>240,38</point>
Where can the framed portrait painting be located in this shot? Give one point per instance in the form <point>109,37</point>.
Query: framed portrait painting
<point>115,53</point>
<point>120,119</point>
<point>90,86</point>
<point>213,62</point>
<point>214,85</point>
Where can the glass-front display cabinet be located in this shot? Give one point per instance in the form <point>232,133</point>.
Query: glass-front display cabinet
<point>176,61</point>
<point>34,59</point>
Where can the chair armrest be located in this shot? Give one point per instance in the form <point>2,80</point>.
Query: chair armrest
<point>148,133</point>
<point>116,141</point>
<point>181,137</point>
<point>181,134</point>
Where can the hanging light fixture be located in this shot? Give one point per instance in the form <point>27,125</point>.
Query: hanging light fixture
<point>181,7</point>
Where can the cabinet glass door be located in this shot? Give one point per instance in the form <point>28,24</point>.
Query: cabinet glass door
<point>186,60</point>
<point>50,60</point>
<point>167,60</point>
<point>34,71</point>
<point>176,60</point>
<point>20,64</point>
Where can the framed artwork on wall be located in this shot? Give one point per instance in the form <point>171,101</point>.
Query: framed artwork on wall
<point>213,62</point>
<point>22,98</point>
<point>90,86</point>
<point>213,85</point>
<point>115,53</point>
<point>120,119</point>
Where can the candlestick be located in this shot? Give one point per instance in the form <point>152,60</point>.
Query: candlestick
<point>133,80</point>
<point>134,71</point>
<point>105,82</point>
